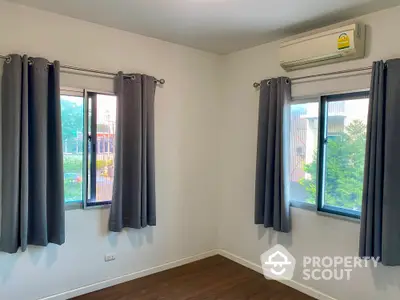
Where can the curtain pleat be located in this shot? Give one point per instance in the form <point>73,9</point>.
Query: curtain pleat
<point>134,199</point>
<point>380,222</point>
<point>271,205</point>
<point>371,212</point>
<point>32,159</point>
<point>391,162</point>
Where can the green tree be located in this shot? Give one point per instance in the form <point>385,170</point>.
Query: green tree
<point>72,119</point>
<point>344,168</point>
<point>72,125</point>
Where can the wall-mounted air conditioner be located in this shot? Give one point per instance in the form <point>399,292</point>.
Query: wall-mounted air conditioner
<point>331,46</point>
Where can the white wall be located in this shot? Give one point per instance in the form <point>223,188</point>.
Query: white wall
<point>186,116</point>
<point>312,234</point>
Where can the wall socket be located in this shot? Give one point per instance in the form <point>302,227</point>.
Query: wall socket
<point>109,257</point>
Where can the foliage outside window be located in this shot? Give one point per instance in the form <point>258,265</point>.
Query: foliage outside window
<point>338,159</point>
<point>80,147</point>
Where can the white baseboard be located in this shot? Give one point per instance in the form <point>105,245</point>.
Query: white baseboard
<point>128,277</point>
<point>291,283</point>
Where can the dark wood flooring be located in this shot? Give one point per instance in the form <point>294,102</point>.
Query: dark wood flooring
<point>214,278</point>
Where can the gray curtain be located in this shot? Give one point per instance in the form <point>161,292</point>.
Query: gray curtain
<point>271,205</point>
<point>32,185</point>
<point>134,200</point>
<point>380,222</point>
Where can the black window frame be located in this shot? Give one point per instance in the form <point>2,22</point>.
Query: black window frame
<point>90,147</point>
<point>322,144</point>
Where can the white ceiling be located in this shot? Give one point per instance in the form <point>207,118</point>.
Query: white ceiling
<point>220,26</point>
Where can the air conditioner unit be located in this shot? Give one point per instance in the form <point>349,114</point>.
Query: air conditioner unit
<point>327,47</point>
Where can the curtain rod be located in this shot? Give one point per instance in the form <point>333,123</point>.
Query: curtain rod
<point>257,84</point>
<point>66,67</point>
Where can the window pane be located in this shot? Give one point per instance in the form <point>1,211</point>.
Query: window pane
<point>89,147</point>
<point>345,153</point>
<point>106,121</point>
<point>303,152</point>
<point>72,133</point>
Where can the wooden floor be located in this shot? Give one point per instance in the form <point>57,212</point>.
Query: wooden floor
<point>209,279</point>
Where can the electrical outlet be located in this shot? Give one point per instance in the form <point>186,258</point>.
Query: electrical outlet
<point>109,257</point>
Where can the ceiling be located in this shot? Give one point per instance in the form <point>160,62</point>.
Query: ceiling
<point>219,26</point>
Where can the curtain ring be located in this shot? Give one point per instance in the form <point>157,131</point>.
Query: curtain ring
<point>129,76</point>
<point>287,81</point>
<point>8,59</point>
<point>30,61</point>
<point>269,82</point>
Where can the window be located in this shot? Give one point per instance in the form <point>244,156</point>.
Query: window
<point>101,136</point>
<point>88,129</point>
<point>342,153</point>
<point>304,122</point>
<point>72,135</point>
<point>327,152</point>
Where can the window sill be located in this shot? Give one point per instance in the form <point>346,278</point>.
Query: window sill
<point>73,205</point>
<point>339,217</point>
<point>313,208</point>
<point>98,206</point>
<point>303,205</point>
<point>79,205</point>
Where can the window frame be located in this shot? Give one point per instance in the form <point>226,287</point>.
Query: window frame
<point>295,101</point>
<point>322,145</point>
<point>323,101</point>
<point>74,92</point>
<point>87,195</point>
<point>90,168</point>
